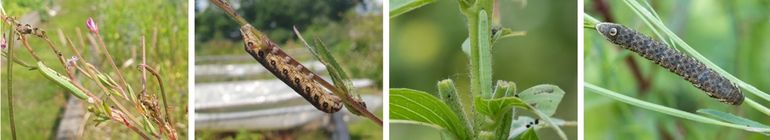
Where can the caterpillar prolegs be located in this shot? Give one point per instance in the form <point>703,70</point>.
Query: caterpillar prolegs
<point>702,77</point>
<point>289,71</point>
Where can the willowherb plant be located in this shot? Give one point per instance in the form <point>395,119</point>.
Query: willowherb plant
<point>101,99</point>
<point>492,114</point>
<point>303,81</point>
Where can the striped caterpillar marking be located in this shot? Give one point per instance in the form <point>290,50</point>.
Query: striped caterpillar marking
<point>289,71</point>
<point>715,85</point>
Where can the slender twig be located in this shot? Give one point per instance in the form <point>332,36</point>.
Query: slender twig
<point>9,79</point>
<point>119,117</point>
<point>25,43</point>
<point>93,71</point>
<point>58,55</point>
<point>162,92</point>
<point>144,68</point>
<point>144,72</point>
<point>20,62</point>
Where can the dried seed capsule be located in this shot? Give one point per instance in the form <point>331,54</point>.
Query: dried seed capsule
<point>708,80</point>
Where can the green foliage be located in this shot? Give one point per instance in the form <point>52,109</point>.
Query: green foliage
<point>398,7</point>
<point>529,135</point>
<point>275,17</point>
<point>679,102</point>
<point>418,106</point>
<point>676,112</point>
<point>544,98</point>
<point>122,23</point>
<point>492,111</point>
<point>732,118</point>
<point>17,7</point>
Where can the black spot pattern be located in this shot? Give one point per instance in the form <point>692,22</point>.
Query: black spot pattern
<point>694,71</point>
<point>273,59</point>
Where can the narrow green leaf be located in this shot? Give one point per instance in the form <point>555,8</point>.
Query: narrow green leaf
<point>529,135</point>
<point>545,98</point>
<point>106,108</point>
<point>485,55</point>
<point>492,107</point>
<point>148,126</point>
<point>445,134</point>
<point>502,32</point>
<point>666,110</point>
<point>62,81</point>
<point>732,118</point>
<point>419,106</point>
<point>106,80</point>
<point>339,77</point>
<point>398,7</point>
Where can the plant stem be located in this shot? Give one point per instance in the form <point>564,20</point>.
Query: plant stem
<point>667,110</point>
<point>757,106</point>
<point>25,42</point>
<point>117,70</point>
<point>62,60</point>
<point>9,68</point>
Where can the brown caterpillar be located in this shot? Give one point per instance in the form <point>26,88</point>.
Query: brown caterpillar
<point>694,71</point>
<point>289,71</point>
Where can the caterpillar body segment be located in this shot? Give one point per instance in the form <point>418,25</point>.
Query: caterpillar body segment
<point>694,71</point>
<point>291,72</point>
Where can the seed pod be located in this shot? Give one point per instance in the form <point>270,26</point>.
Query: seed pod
<point>289,71</point>
<point>702,77</point>
<point>62,81</point>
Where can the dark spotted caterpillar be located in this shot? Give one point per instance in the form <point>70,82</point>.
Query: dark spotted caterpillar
<point>715,85</point>
<point>289,70</point>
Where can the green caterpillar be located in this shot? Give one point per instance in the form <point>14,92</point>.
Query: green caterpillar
<point>694,71</point>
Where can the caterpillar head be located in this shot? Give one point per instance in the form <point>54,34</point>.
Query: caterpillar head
<point>610,31</point>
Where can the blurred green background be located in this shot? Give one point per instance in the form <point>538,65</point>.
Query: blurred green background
<point>732,34</point>
<point>352,29</point>
<point>38,102</point>
<point>425,48</point>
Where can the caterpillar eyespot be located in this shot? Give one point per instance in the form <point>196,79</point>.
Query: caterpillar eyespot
<point>692,70</point>
<point>613,31</point>
<point>288,70</point>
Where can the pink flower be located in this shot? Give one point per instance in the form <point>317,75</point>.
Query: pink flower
<point>72,61</point>
<point>3,44</point>
<point>92,26</point>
